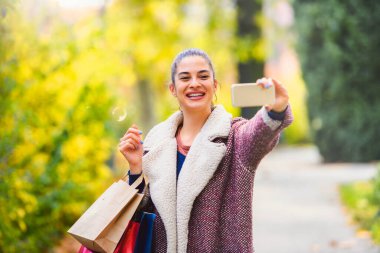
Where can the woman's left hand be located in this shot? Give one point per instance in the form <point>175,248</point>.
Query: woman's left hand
<point>281,94</point>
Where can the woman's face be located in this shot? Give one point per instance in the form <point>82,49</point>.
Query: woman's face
<point>194,84</point>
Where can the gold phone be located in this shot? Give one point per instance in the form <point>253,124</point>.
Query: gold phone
<point>250,94</point>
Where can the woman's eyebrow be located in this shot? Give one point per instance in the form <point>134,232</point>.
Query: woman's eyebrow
<point>199,72</point>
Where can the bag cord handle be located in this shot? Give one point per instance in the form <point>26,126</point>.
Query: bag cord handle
<point>138,180</point>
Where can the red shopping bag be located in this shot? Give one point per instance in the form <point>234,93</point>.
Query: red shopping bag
<point>83,249</point>
<point>128,240</point>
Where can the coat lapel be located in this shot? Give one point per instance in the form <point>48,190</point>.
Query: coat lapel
<point>174,200</point>
<point>159,165</point>
<point>201,162</point>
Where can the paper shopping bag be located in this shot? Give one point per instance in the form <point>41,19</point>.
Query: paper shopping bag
<point>102,225</point>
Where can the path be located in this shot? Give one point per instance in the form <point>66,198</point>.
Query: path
<point>297,207</point>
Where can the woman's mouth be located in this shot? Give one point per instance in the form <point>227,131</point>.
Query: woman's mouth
<point>195,95</point>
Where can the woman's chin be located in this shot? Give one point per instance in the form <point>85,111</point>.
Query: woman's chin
<point>197,107</point>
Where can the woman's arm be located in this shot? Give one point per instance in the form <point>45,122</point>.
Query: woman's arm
<point>256,137</point>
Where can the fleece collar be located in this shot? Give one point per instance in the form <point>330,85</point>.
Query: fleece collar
<point>174,200</point>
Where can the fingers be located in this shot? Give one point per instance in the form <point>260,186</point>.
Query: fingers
<point>275,82</point>
<point>133,129</point>
<point>131,139</point>
<point>280,90</point>
<point>281,96</point>
<point>264,83</point>
<point>278,86</point>
<point>127,145</point>
<point>132,134</point>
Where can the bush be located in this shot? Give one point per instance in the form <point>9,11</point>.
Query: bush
<point>55,139</point>
<point>339,47</point>
<point>363,202</point>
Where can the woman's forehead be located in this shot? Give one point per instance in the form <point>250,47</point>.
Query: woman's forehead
<point>193,64</point>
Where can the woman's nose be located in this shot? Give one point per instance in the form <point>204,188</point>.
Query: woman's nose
<point>194,82</point>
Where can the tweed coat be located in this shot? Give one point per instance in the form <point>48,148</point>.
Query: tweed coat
<point>209,208</point>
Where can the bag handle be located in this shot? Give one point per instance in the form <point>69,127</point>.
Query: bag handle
<point>145,179</point>
<point>138,180</point>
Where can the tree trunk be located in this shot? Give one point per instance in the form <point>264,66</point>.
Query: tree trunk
<point>251,69</point>
<point>147,113</point>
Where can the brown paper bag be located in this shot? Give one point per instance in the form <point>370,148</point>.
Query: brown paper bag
<point>102,225</point>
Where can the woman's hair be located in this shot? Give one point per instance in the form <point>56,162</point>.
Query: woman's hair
<point>187,53</point>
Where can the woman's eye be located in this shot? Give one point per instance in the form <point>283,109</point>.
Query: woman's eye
<point>204,77</point>
<point>184,78</point>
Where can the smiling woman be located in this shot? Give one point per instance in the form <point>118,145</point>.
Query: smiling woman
<point>194,86</point>
<point>201,162</point>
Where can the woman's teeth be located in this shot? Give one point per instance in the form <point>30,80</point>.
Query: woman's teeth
<point>195,95</point>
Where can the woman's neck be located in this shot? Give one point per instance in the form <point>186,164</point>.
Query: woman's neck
<point>192,125</point>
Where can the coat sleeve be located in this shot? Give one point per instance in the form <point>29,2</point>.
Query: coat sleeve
<point>256,137</point>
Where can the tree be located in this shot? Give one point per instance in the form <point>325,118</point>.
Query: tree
<point>250,44</point>
<point>55,136</point>
<point>339,45</point>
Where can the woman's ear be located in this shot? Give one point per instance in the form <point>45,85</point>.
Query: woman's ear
<point>216,84</point>
<point>172,89</point>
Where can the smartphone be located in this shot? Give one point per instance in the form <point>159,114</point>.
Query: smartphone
<point>250,94</point>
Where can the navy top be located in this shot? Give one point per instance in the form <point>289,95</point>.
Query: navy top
<point>181,157</point>
<point>180,160</point>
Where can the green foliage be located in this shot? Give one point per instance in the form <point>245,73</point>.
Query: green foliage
<point>59,85</point>
<point>339,45</point>
<point>375,199</point>
<point>363,201</point>
<point>55,138</point>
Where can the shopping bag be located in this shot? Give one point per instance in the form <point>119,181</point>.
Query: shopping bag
<point>128,240</point>
<point>138,236</point>
<point>103,223</point>
<point>145,236</point>
<point>83,249</point>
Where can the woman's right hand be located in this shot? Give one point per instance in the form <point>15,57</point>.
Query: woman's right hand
<point>131,147</point>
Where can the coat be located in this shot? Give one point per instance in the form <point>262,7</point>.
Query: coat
<point>209,208</point>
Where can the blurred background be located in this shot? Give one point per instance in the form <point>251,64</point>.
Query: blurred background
<point>75,74</point>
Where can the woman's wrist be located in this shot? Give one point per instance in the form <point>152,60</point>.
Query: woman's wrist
<point>135,169</point>
<point>275,115</point>
<point>280,110</point>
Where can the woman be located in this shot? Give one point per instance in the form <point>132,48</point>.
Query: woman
<point>201,163</point>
